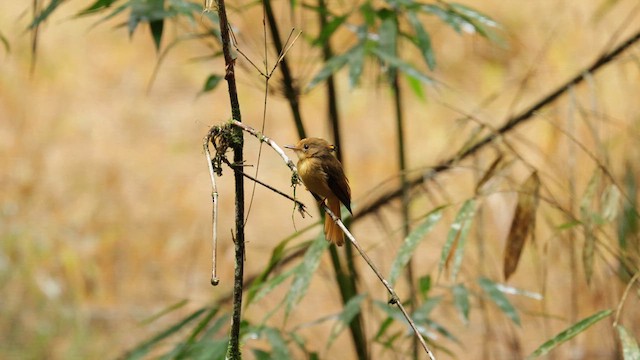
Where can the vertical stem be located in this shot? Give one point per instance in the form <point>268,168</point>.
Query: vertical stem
<point>289,91</point>
<point>233,350</point>
<point>402,163</point>
<point>348,283</point>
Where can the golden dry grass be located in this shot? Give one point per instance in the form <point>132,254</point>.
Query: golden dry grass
<point>104,192</point>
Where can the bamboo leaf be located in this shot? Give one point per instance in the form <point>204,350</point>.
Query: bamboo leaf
<point>610,203</point>
<point>495,166</point>
<point>279,348</point>
<point>96,6</point>
<point>330,67</point>
<point>523,223</point>
<point>266,287</point>
<point>630,349</point>
<point>411,243</point>
<point>388,33</point>
<point>461,301</point>
<point>495,295</point>
<point>569,333</point>
<point>5,43</point>
<point>45,13</point>
<point>212,82</point>
<point>356,64</point>
<point>329,29</point>
<point>351,309</point>
<point>145,347</point>
<point>453,249</point>
<point>423,40</point>
<point>303,273</point>
<point>403,66</point>
<point>424,285</point>
<point>587,214</point>
<point>416,87</point>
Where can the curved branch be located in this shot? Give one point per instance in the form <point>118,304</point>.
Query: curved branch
<point>509,125</point>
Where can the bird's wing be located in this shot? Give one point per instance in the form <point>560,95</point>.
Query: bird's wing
<point>338,183</point>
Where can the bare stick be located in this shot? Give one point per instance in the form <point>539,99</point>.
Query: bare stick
<point>302,208</point>
<point>395,300</point>
<point>214,214</point>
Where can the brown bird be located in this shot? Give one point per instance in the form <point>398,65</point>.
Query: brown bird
<point>323,175</point>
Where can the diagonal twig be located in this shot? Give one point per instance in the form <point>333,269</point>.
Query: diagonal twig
<point>395,300</point>
<point>509,125</point>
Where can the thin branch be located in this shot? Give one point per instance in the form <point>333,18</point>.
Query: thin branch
<point>302,208</point>
<point>395,300</point>
<point>509,125</point>
<point>237,144</point>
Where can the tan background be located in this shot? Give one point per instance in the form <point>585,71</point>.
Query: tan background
<point>105,198</point>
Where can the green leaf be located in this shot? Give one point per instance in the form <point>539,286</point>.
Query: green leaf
<point>416,87</point>
<point>329,29</point>
<point>45,13</point>
<point>99,5</point>
<point>330,67</point>
<point>423,40</point>
<point>424,285</point>
<point>303,273</point>
<point>5,43</point>
<point>610,203</point>
<point>212,81</point>
<point>184,347</point>
<point>144,348</point>
<point>472,14</point>
<point>491,289</point>
<point>461,301</point>
<point>156,27</point>
<point>406,68</point>
<point>630,349</point>
<point>457,237</point>
<point>569,333</point>
<point>279,348</point>
<point>588,221</point>
<point>356,58</point>
<point>388,33</point>
<point>165,311</point>
<point>356,64</point>
<point>351,309</point>
<point>265,288</point>
<point>411,243</point>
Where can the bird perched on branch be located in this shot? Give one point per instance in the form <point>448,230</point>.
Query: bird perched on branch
<point>323,175</point>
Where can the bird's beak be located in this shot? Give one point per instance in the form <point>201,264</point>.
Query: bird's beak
<point>292,147</point>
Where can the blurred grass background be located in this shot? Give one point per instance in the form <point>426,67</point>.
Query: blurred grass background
<point>105,198</point>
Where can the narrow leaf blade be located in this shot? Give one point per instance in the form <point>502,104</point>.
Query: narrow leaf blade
<point>461,301</point>
<point>454,245</point>
<point>569,333</point>
<point>351,309</point>
<point>491,289</point>
<point>630,349</point>
<point>303,273</point>
<point>411,243</point>
<point>523,223</point>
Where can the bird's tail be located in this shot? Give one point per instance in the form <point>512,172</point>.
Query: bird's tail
<point>332,231</point>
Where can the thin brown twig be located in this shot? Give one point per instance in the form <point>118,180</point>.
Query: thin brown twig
<point>509,125</point>
<point>302,208</point>
<point>395,300</point>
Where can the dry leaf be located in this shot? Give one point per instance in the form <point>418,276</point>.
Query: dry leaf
<point>523,223</point>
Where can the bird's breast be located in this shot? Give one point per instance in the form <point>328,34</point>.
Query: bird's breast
<point>314,177</point>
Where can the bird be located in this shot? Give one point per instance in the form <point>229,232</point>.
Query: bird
<point>322,174</point>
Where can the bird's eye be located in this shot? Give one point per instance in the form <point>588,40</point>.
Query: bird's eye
<point>306,146</point>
